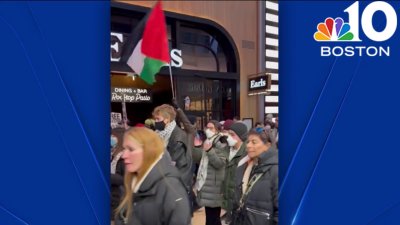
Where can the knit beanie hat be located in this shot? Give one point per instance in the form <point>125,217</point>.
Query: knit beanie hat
<point>240,129</point>
<point>227,124</point>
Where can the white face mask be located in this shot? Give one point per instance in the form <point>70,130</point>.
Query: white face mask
<point>231,141</point>
<point>209,133</point>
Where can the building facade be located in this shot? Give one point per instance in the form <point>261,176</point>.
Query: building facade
<point>272,55</point>
<point>216,46</point>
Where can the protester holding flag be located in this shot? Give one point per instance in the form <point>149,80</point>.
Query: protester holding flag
<point>175,141</point>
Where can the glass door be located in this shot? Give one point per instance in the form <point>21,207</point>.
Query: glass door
<point>206,98</point>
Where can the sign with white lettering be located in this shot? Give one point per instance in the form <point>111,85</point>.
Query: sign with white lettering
<point>258,83</point>
<point>130,95</point>
<point>117,43</point>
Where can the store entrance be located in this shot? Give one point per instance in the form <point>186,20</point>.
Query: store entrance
<point>204,98</point>
<point>140,111</point>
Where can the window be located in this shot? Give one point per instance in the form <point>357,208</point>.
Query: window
<point>201,51</point>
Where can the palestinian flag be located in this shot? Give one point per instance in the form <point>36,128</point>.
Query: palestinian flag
<point>147,47</point>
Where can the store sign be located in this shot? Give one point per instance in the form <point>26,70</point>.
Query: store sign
<point>258,83</point>
<point>117,42</point>
<point>130,95</point>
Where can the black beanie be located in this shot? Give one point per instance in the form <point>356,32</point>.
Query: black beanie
<point>240,129</point>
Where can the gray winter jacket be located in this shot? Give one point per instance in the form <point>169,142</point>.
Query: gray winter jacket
<point>210,194</point>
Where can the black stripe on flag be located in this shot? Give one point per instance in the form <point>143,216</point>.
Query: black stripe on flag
<point>133,39</point>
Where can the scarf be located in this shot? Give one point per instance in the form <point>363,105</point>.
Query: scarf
<point>166,133</point>
<point>246,175</point>
<point>202,172</point>
<point>233,152</point>
<point>115,161</point>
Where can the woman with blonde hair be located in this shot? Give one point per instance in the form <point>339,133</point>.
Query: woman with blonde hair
<point>151,183</point>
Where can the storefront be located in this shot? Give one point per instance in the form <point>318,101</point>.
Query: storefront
<point>204,60</point>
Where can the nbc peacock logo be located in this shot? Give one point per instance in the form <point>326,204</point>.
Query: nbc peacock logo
<point>333,30</point>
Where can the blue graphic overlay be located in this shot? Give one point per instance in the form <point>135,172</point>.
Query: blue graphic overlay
<point>55,110</point>
<point>339,118</point>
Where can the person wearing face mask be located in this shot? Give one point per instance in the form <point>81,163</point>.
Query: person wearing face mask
<point>237,134</point>
<point>210,174</point>
<point>175,141</point>
<point>113,142</point>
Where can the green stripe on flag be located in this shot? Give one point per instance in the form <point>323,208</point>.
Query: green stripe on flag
<point>150,68</point>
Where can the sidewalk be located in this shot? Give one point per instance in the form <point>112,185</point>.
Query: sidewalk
<point>199,218</point>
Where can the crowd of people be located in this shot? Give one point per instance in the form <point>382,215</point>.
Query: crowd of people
<point>164,171</point>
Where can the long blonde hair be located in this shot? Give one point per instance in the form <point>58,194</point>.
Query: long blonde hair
<point>153,147</point>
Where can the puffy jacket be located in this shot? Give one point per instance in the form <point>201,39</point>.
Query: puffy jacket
<point>210,194</point>
<point>160,200</point>
<point>228,189</point>
<point>178,150</point>
<point>261,205</point>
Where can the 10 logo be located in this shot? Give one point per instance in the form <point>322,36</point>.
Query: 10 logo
<point>337,30</point>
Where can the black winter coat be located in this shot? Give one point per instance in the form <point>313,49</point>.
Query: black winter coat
<point>160,200</point>
<point>178,150</point>
<point>261,205</point>
<point>117,185</point>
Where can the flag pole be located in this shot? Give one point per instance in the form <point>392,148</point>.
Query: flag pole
<point>124,115</point>
<point>172,82</point>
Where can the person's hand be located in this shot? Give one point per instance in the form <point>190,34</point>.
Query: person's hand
<point>175,103</point>
<point>197,141</point>
<point>207,145</point>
